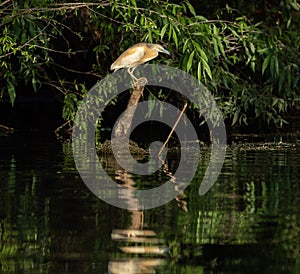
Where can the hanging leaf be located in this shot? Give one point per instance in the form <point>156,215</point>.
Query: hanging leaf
<point>235,117</point>
<point>252,64</point>
<point>199,71</point>
<point>163,31</point>
<point>266,63</point>
<point>151,104</point>
<point>276,63</point>
<point>190,61</point>
<point>203,54</point>
<point>11,92</point>
<point>252,48</point>
<point>216,49</point>
<point>221,48</point>
<point>206,67</point>
<point>186,43</point>
<point>191,8</point>
<point>281,79</point>
<point>196,45</point>
<point>35,83</point>
<point>175,39</point>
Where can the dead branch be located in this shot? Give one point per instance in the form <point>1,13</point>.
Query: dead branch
<point>171,132</point>
<point>123,126</point>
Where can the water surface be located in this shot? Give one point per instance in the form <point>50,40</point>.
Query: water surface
<point>249,222</point>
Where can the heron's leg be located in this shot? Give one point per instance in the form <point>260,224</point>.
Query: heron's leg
<point>133,68</point>
<point>131,74</point>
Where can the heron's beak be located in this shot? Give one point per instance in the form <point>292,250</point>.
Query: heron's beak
<point>165,51</point>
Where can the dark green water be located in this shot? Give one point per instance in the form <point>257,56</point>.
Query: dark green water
<point>249,222</point>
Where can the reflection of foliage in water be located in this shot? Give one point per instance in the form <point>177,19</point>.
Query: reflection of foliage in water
<point>245,206</point>
<point>48,215</point>
<point>23,231</point>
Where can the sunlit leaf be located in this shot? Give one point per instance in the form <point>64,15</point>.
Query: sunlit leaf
<point>170,32</point>
<point>190,61</point>
<point>185,45</point>
<point>191,8</point>
<point>252,47</point>
<point>215,30</point>
<point>197,46</point>
<point>288,23</point>
<point>262,51</point>
<point>252,65</point>
<point>294,5</point>
<point>163,31</point>
<point>234,32</point>
<point>206,67</point>
<point>203,54</point>
<point>175,39</point>
<point>200,18</point>
<point>199,71</point>
<point>197,33</point>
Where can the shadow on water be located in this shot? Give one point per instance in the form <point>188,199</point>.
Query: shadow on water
<point>51,223</point>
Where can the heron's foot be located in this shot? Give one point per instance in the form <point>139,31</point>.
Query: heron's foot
<point>141,82</point>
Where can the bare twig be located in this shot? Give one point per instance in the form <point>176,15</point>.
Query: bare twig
<point>77,71</point>
<point>59,51</point>
<point>63,6</point>
<point>68,123</point>
<point>8,129</point>
<point>25,44</point>
<point>4,3</point>
<point>171,132</point>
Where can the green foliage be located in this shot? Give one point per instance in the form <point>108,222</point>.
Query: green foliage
<point>24,49</point>
<point>249,62</point>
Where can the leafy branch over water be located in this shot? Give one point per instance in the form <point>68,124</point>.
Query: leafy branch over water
<point>248,58</point>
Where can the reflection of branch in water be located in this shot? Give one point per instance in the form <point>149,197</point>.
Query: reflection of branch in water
<point>166,170</point>
<point>137,242</point>
<point>145,241</point>
<point>137,218</point>
<point>126,178</point>
<point>181,202</point>
<point>158,250</point>
<point>136,236</point>
<point>135,239</point>
<point>180,197</point>
<point>134,265</point>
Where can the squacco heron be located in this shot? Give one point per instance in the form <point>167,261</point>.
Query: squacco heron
<point>136,55</point>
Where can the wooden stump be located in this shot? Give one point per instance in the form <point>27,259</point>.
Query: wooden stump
<point>122,128</point>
